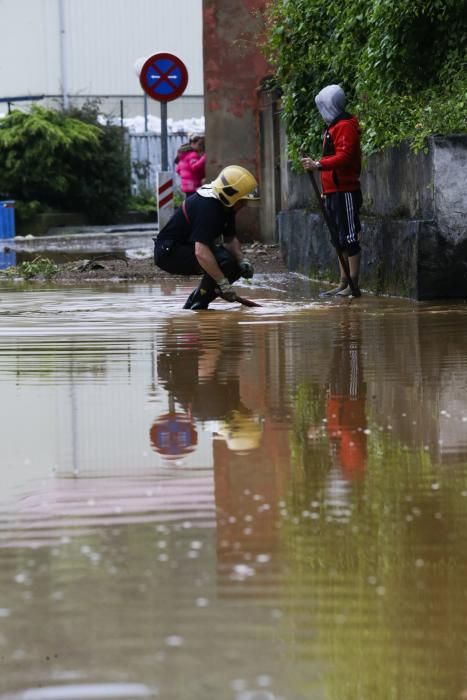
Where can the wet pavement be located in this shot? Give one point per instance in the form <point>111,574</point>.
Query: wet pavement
<point>241,504</point>
<point>68,243</point>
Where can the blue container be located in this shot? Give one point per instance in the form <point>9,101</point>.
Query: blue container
<point>7,219</point>
<point>7,259</point>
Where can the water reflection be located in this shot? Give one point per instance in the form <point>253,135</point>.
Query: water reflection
<point>204,380</point>
<point>269,510</point>
<point>389,548</point>
<point>173,434</point>
<point>342,414</point>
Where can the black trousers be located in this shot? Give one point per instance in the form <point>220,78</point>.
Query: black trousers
<point>176,258</point>
<point>344,210</point>
<point>180,259</point>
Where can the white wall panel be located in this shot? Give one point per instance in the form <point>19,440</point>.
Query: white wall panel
<point>29,47</point>
<point>103,39</point>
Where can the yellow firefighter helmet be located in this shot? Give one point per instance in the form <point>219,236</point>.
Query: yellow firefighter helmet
<point>234,183</point>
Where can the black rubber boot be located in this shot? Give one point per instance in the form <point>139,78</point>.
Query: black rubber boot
<point>201,297</point>
<point>190,300</point>
<point>199,306</point>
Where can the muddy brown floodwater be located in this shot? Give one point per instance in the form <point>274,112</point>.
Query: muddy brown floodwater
<point>241,504</point>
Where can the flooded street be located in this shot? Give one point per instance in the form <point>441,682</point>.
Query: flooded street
<point>240,504</point>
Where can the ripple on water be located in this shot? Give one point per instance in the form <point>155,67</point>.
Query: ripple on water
<point>85,691</point>
<point>72,507</point>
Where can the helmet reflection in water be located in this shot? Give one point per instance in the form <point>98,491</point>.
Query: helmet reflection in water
<point>241,431</point>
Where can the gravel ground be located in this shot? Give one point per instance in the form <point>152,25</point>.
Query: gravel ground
<point>105,267</point>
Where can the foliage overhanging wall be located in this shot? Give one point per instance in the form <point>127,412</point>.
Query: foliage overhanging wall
<point>402,65</point>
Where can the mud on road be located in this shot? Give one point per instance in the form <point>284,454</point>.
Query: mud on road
<point>118,267</point>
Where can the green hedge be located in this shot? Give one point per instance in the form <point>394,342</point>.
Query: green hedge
<point>402,65</point>
<point>64,161</point>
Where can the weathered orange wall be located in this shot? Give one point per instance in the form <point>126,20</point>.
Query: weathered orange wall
<point>233,68</point>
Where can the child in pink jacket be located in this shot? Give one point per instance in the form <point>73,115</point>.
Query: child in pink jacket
<point>190,164</point>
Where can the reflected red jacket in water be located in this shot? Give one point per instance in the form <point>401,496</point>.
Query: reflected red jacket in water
<point>341,159</point>
<point>346,424</point>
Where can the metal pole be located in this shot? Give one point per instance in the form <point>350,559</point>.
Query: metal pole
<point>63,71</point>
<point>164,153</point>
<point>145,112</point>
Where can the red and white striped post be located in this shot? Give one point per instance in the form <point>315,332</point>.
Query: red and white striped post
<point>165,197</point>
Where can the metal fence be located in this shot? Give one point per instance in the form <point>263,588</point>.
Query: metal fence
<point>146,160</point>
<point>118,107</point>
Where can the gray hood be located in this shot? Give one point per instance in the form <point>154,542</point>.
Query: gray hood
<point>330,102</point>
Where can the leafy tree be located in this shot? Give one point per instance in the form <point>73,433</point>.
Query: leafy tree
<point>64,161</point>
<point>401,64</point>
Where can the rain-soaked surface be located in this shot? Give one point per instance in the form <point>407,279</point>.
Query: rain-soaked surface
<point>240,504</point>
<point>135,242</point>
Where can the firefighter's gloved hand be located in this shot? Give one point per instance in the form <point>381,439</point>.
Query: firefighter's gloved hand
<point>226,290</point>
<point>246,269</point>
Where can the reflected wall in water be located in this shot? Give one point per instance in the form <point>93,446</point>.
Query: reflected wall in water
<point>387,551</point>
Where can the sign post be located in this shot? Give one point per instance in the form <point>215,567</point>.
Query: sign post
<point>164,138</point>
<point>165,197</point>
<point>164,77</point>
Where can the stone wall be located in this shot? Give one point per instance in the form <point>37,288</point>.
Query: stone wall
<point>414,222</point>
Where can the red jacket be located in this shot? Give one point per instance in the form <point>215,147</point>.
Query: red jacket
<point>341,159</point>
<point>191,167</point>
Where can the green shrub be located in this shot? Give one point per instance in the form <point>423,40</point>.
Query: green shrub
<point>144,202</point>
<point>39,267</point>
<point>402,65</point>
<point>66,161</point>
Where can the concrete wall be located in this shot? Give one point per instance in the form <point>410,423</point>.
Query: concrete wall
<point>233,69</point>
<point>414,222</point>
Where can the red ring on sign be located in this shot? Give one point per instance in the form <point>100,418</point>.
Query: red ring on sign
<point>178,89</point>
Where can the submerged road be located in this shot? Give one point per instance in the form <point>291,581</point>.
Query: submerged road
<point>240,504</point>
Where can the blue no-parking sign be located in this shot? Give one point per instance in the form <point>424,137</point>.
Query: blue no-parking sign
<point>164,77</point>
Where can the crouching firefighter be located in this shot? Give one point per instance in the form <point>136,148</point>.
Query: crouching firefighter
<point>200,237</point>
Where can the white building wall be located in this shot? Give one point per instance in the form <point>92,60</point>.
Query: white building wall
<point>102,40</point>
<point>29,47</point>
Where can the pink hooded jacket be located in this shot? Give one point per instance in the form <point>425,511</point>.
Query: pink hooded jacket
<point>191,168</point>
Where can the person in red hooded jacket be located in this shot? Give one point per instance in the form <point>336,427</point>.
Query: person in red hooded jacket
<point>340,167</point>
<point>190,164</point>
